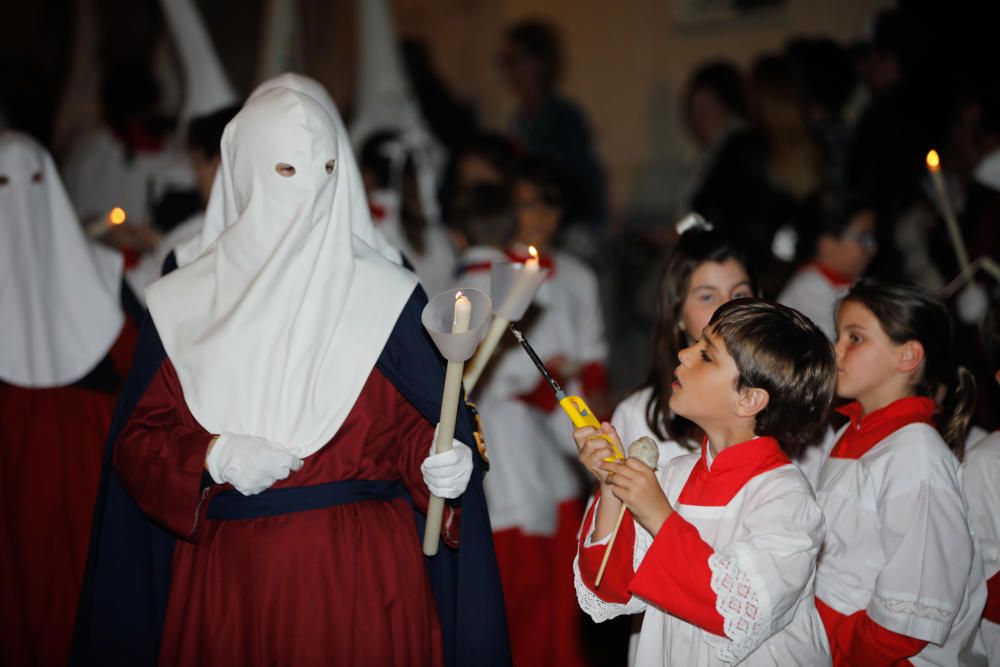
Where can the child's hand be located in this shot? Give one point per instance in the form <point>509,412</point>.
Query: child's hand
<point>637,486</point>
<point>594,449</point>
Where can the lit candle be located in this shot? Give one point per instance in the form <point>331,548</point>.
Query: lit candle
<point>531,264</point>
<point>951,223</point>
<point>446,421</point>
<point>521,293</point>
<point>463,314</point>
<point>102,225</point>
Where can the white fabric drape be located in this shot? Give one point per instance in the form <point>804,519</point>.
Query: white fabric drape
<point>59,293</point>
<point>361,224</point>
<point>275,328</point>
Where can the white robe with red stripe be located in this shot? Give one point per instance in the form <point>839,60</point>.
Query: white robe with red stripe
<point>898,545</point>
<point>981,475</point>
<point>729,576</point>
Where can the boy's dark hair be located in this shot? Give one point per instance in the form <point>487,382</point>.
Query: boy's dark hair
<point>548,179</point>
<point>694,248</point>
<point>827,212</point>
<point>906,313</point>
<point>781,351</point>
<point>725,81</point>
<point>484,215</point>
<point>205,132</point>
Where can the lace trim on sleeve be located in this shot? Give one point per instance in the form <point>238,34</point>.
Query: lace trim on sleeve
<point>742,601</point>
<point>928,610</point>
<point>600,610</point>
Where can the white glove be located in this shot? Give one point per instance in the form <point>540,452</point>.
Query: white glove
<point>249,463</point>
<point>447,474</point>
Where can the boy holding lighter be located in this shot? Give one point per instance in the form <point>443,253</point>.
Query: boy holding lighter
<point>721,551</point>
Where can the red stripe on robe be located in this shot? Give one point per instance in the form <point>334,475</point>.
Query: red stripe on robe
<point>858,640</point>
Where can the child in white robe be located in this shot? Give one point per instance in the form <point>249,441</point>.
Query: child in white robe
<point>704,271</point>
<point>720,549</point>
<point>900,577</point>
<point>836,242</point>
<point>981,476</point>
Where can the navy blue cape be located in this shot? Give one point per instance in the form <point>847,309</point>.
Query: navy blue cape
<point>124,597</point>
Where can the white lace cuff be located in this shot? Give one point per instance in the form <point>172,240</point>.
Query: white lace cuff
<point>600,610</point>
<point>742,601</point>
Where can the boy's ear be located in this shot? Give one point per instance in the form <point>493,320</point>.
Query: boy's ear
<point>911,355</point>
<point>752,400</point>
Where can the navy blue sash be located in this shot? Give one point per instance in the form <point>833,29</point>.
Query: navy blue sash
<point>232,504</point>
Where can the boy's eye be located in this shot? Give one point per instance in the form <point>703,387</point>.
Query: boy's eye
<point>705,357</point>
<point>854,339</point>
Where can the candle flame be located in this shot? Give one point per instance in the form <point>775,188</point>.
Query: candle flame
<point>532,251</point>
<point>458,295</point>
<point>116,216</point>
<point>933,160</point>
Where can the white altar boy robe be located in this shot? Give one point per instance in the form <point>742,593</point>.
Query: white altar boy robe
<point>981,477</point>
<point>898,544</point>
<point>729,577</point>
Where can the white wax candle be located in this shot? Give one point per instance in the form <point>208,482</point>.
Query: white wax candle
<point>463,314</point>
<point>531,264</point>
<point>446,421</point>
<point>951,223</point>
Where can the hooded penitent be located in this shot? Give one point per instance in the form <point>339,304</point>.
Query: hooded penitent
<point>58,292</point>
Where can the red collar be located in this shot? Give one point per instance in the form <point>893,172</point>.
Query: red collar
<point>378,212</point>
<point>838,280</point>
<point>544,260</point>
<point>731,470</point>
<point>864,432</point>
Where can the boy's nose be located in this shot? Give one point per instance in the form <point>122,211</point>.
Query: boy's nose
<point>683,355</point>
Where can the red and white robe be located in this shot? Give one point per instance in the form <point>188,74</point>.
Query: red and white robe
<point>729,576</point>
<point>900,580</point>
<point>981,476</point>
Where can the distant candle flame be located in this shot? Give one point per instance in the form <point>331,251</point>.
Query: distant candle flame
<point>458,295</point>
<point>116,216</point>
<point>933,161</point>
<point>532,251</point>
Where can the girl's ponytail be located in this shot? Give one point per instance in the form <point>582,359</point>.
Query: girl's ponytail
<point>956,411</point>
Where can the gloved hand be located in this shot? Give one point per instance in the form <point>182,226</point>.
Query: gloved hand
<point>447,475</point>
<point>249,463</point>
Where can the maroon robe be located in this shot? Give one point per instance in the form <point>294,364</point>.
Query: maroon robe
<point>341,585</point>
<point>51,446</point>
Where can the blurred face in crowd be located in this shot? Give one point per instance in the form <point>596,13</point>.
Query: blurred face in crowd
<point>851,252</point>
<point>523,73</point>
<point>537,221</point>
<point>707,116</point>
<point>712,284</point>
<point>204,172</point>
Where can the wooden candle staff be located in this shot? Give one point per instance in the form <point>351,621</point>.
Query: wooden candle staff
<point>454,321</point>
<point>646,451</point>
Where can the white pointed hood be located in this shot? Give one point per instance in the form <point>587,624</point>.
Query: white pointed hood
<point>207,87</point>
<point>361,225</point>
<point>59,293</point>
<point>276,327</point>
<point>385,101</point>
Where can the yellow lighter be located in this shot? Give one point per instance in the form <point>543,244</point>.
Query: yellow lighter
<point>574,406</point>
